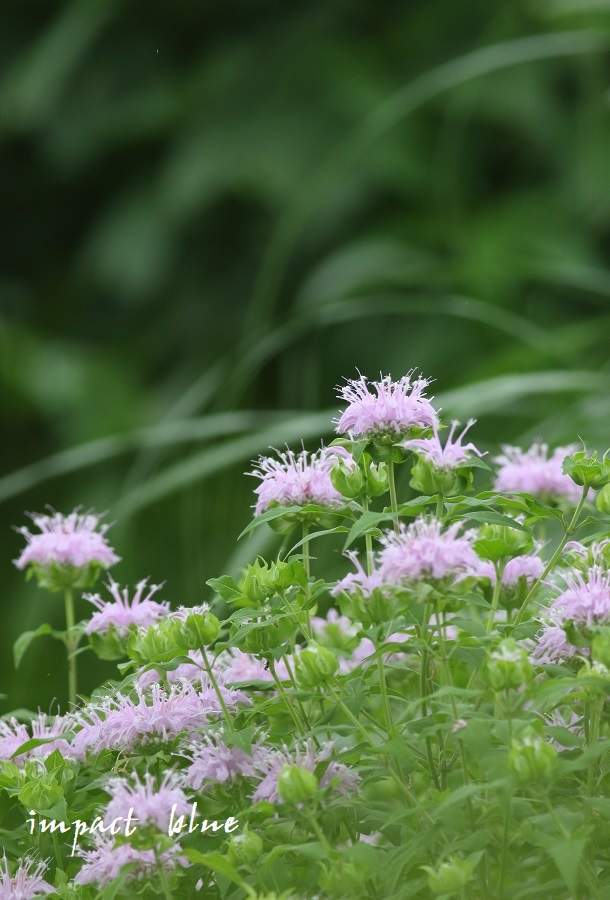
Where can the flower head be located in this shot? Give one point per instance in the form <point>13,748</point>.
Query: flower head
<point>270,762</point>
<point>358,581</point>
<point>151,805</point>
<point>535,472</point>
<point>68,550</point>
<point>296,479</point>
<point>452,455</point>
<point>528,566</point>
<point>122,612</point>
<point>552,646</point>
<point>587,598</point>
<point>211,760</point>
<point>423,550</point>
<point>104,863</point>
<point>392,407</point>
<point>26,883</point>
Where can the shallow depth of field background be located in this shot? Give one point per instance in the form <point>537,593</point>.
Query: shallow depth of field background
<point>213,212</point>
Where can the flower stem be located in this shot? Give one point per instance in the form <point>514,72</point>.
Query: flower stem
<point>70,647</point>
<point>217,690</point>
<point>307,564</point>
<point>368,540</point>
<point>551,563</point>
<point>499,567</point>
<point>393,499</point>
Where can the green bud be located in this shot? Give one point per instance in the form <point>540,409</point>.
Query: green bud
<point>315,665</point>
<point>377,479</point>
<point>244,848</point>
<point>600,647</point>
<point>426,478</point>
<point>507,666</point>
<point>450,877</point>
<point>254,592</point>
<point>347,478</point>
<point>110,644</point>
<point>199,630</point>
<point>499,543</point>
<point>154,645</point>
<point>602,500</point>
<point>296,785</point>
<point>531,758</point>
<point>588,471</point>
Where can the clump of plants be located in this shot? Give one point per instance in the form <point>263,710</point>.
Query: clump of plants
<point>431,723</point>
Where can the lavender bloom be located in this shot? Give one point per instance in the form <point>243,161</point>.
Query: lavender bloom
<point>553,647</point>
<point>359,581</point>
<point>191,672</point>
<point>12,735</point>
<point>122,612</point>
<point>69,541</point>
<point>237,666</point>
<point>336,622</point>
<point>423,550</point>
<point>587,598</point>
<point>151,805</point>
<point>295,479</point>
<point>120,723</point>
<point>535,472</point>
<point>452,455</point>
<point>527,566</point>
<point>270,762</point>
<point>104,863</point>
<point>212,761</point>
<point>393,408</point>
<point>26,883</point>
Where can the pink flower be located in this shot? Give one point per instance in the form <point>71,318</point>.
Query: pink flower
<point>211,760</point>
<point>527,566</point>
<point>269,763</point>
<point>452,455</point>
<point>70,541</point>
<point>150,805</point>
<point>358,581</point>
<point>587,598</point>
<point>104,863</point>
<point>296,479</point>
<point>12,735</point>
<point>534,472</point>
<point>333,623</point>
<point>392,407</point>
<point>123,612</point>
<point>553,647</point>
<point>120,723</point>
<point>238,666</point>
<point>26,883</point>
<point>423,550</point>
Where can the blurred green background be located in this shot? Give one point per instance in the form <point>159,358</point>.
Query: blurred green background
<point>213,212</point>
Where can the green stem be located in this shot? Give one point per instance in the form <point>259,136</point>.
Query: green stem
<point>70,646</point>
<point>285,697</point>
<point>499,567</point>
<point>439,505</point>
<point>307,564</point>
<point>387,711</point>
<point>163,878</point>
<point>217,690</point>
<point>368,540</point>
<point>551,563</point>
<point>507,808</point>
<point>423,692</point>
<point>393,498</point>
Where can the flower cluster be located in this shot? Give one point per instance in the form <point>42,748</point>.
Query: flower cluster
<point>385,406</point>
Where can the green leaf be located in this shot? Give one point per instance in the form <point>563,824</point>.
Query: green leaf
<point>565,853</point>
<point>217,863</point>
<point>24,640</point>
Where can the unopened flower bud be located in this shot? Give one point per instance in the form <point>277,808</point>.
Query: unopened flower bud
<point>507,666</point>
<point>532,758</point>
<point>346,477</point>
<point>296,785</point>
<point>244,848</point>
<point>499,543</point>
<point>449,877</point>
<point>602,501</point>
<point>377,479</point>
<point>154,645</point>
<point>315,665</point>
<point>200,629</point>
<point>588,471</point>
<point>426,478</point>
<point>600,646</point>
